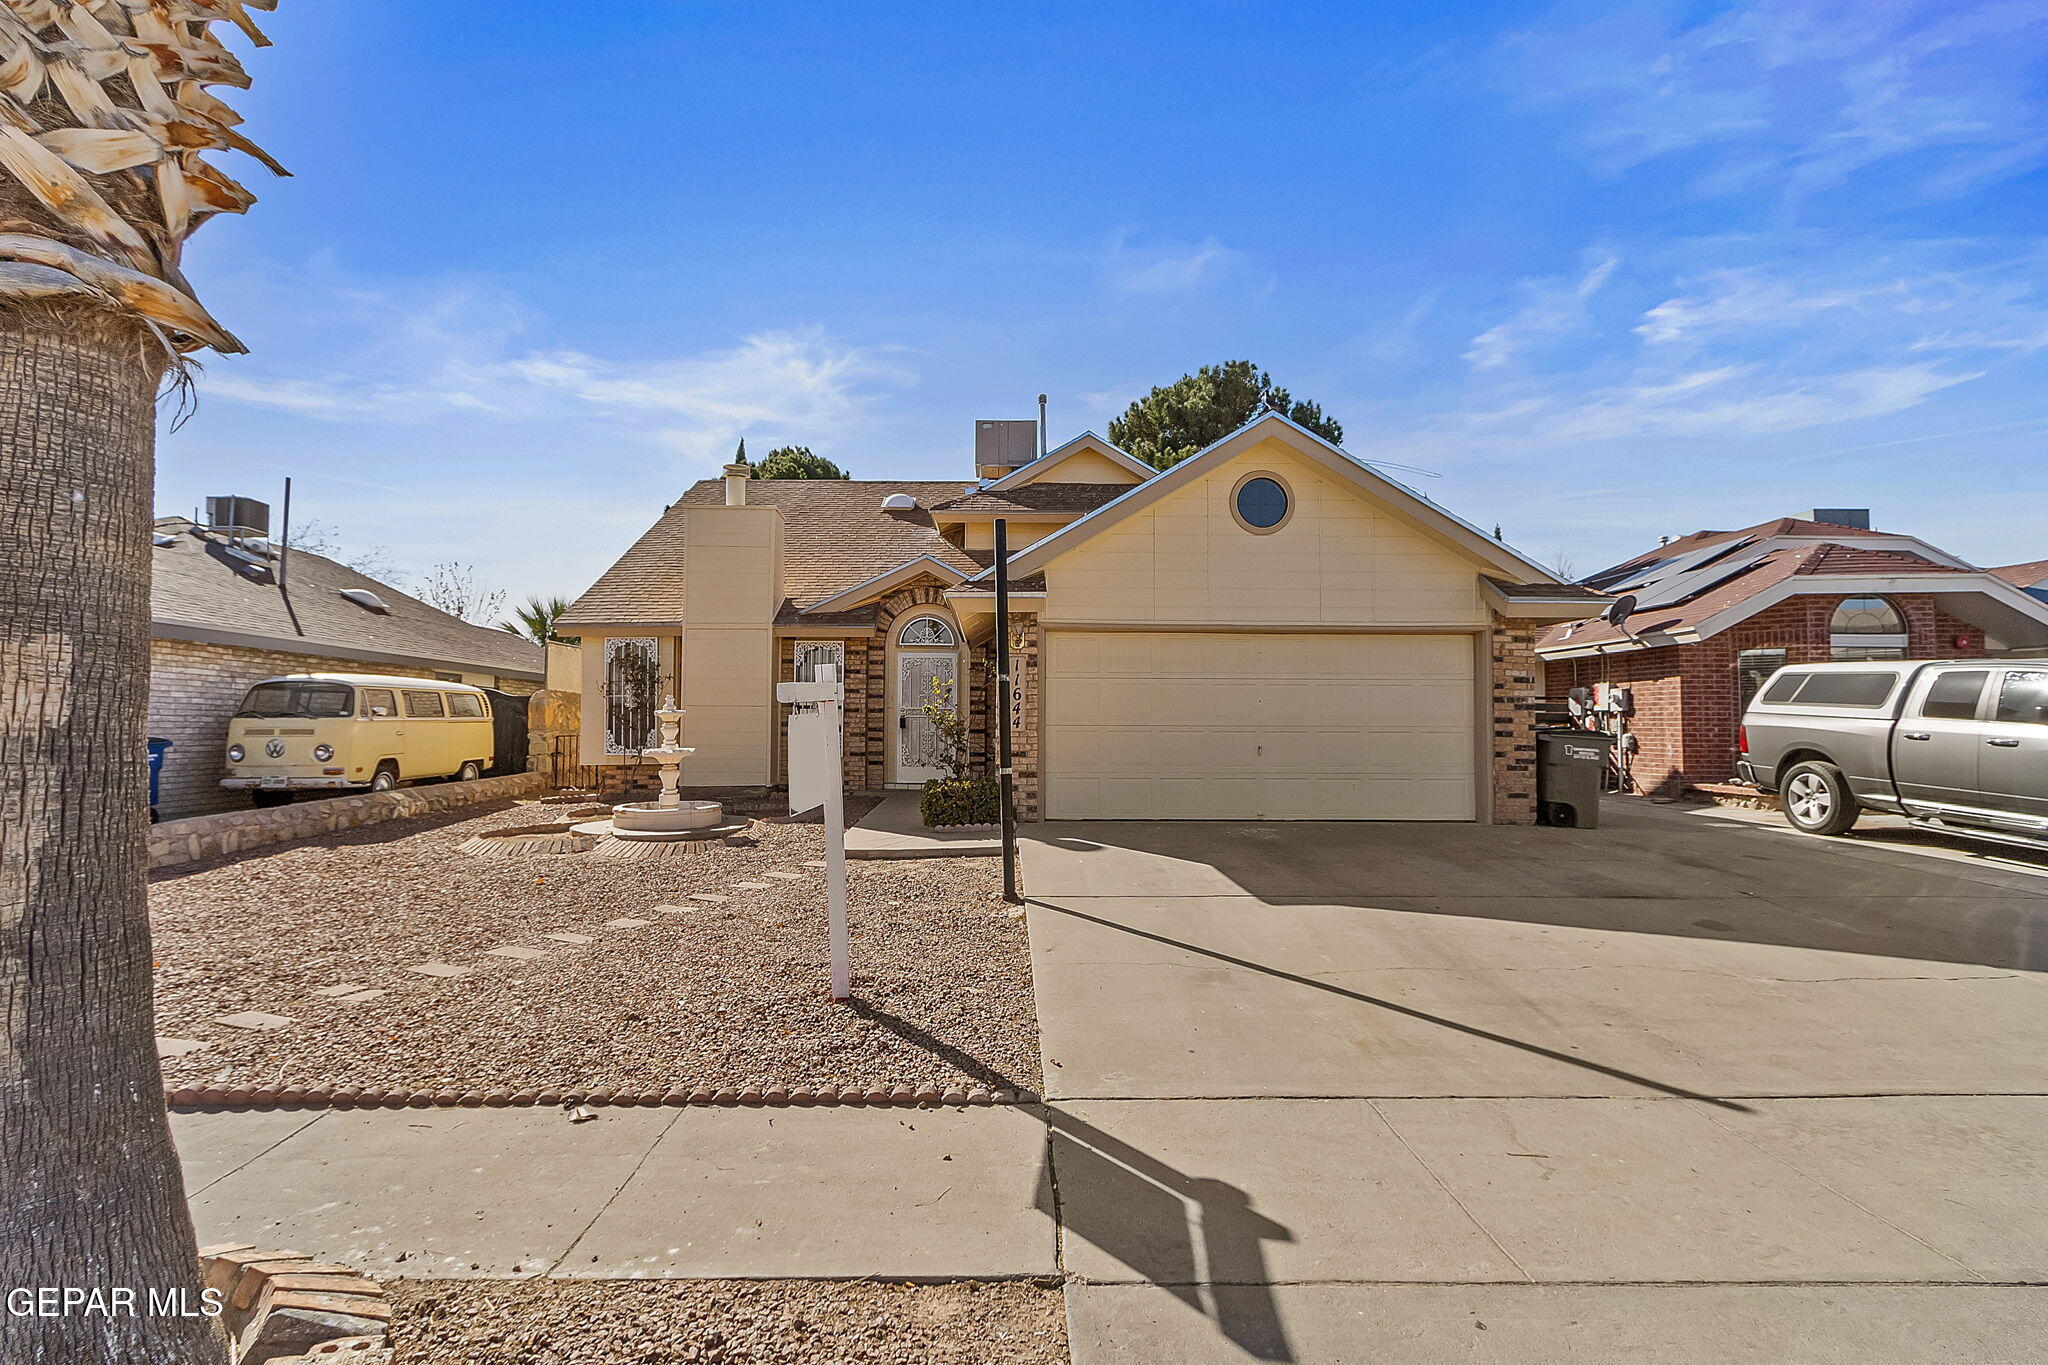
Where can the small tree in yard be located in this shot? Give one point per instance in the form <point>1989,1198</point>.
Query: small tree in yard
<point>959,798</point>
<point>797,462</point>
<point>103,118</point>
<point>1197,410</point>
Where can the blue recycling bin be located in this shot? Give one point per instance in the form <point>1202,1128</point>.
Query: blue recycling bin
<point>157,749</point>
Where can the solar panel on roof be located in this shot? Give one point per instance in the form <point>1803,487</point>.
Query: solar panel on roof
<point>1672,591</point>
<point>1663,571</point>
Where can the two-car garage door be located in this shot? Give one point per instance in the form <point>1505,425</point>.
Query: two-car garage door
<point>1169,725</point>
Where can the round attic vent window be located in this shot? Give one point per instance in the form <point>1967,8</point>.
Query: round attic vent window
<point>1261,503</point>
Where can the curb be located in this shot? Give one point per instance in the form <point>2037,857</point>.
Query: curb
<point>210,1098</point>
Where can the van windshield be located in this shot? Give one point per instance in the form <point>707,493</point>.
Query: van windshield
<point>304,700</point>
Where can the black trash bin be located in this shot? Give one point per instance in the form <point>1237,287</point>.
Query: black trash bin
<point>1571,768</point>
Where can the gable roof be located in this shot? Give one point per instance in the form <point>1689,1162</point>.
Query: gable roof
<point>1491,553</point>
<point>1026,474</point>
<point>198,592</point>
<point>835,536</point>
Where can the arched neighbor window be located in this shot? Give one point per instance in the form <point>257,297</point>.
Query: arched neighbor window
<point>1867,628</point>
<point>926,630</point>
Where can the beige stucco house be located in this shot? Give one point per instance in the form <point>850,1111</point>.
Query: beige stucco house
<point>1271,629</point>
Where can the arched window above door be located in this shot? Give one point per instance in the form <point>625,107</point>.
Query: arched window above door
<point>1867,628</point>
<point>926,630</point>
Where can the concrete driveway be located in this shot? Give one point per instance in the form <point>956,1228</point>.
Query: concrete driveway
<point>1685,1087</point>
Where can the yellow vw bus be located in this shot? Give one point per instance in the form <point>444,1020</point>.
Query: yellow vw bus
<point>322,731</point>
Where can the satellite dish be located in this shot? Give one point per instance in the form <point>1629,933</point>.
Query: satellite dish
<point>1619,610</point>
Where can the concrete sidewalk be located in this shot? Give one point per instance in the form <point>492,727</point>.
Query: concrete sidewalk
<point>826,1193</point>
<point>896,829</point>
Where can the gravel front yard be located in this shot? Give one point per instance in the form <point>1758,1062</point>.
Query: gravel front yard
<point>724,1322</point>
<point>722,993</point>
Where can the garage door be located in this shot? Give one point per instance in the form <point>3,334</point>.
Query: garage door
<point>1168,726</point>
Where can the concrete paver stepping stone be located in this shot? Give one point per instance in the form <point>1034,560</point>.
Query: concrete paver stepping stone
<point>514,950</point>
<point>361,996</point>
<point>708,898</point>
<point>788,876</point>
<point>568,938</point>
<point>176,1047</point>
<point>816,862</point>
<point>252,1019</point>
<point>677,909</point>
<point>346,988</point>
<point>750,886</point>
<point>440,969</point>
<point>624,923</point>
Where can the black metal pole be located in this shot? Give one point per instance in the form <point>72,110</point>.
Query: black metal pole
<point>1003,775</point>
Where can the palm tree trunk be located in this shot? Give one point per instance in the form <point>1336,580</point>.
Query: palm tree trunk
<point>90,1192</point>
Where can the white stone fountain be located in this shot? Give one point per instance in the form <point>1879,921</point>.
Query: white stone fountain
<point>667,818</point>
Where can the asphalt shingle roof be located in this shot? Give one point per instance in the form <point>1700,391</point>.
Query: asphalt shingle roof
<point>835,535</point>
<point>1061,498</point>
<point>195,584</point>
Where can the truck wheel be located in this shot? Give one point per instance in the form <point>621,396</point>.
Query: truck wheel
<point>471,771</point>
<point>385,778</point>
<point>1817,799</point>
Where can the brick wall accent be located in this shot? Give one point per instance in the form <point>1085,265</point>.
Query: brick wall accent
<point>194,688</point>
<point>198,837</point>
<point>1516,683</point>
<point>1688,697</point>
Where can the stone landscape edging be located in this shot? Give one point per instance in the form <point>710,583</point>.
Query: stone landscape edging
<point>175,842</point>
<point>191,1098</point>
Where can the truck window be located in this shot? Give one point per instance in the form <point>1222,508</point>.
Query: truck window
<point>2023,697</point>
<point>423,704</point>
<point>467,704</point>
<point>380,701</point>
<point>1954,695</point>
<point>1846,689</point>
<point>1785,686</point>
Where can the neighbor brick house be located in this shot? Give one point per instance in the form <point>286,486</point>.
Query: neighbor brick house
<point>1717,611</point>
<point>1270,629</point>
<point>226,612</point>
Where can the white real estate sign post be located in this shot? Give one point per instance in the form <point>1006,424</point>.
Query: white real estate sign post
<point>817,778</point>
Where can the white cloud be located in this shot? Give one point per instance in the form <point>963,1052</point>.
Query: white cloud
<point>1553,308</point>
<point>420,358</point>
<point>1798,96</point>
<point>1163,270</point>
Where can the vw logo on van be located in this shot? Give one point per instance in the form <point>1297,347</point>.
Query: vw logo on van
<point>274,748</point>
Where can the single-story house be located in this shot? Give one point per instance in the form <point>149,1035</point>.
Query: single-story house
<point>1270,629</point>
<point>226,610</point>
<point>1717,611</point>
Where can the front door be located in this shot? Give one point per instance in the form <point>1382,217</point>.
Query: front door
<point>920,749</point>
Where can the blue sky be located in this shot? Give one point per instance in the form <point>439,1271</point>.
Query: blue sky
<point>1606,271</point>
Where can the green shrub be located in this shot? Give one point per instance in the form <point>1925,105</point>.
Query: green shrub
<point>961,801</point>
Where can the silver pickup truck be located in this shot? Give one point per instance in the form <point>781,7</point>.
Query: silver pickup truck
<point>1962,744</point>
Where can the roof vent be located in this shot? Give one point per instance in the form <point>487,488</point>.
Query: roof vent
<point>1855,518</point>
<point>367,600</point>
<point>899,502</point>
<point>162,541</point>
